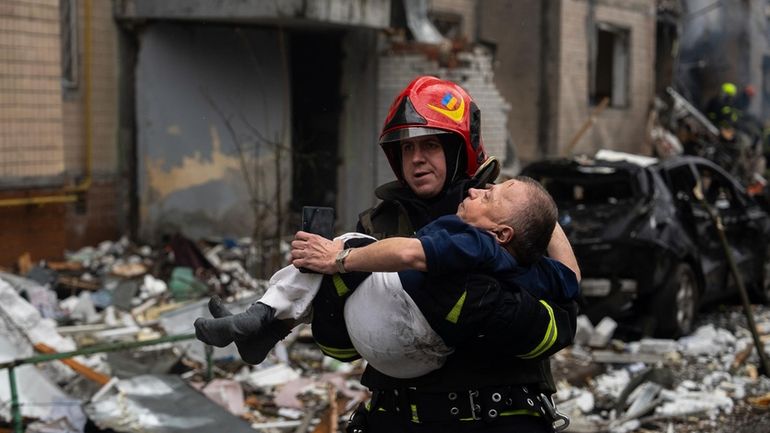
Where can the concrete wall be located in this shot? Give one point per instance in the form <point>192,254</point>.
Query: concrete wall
<point>366,13</point>
<point>359,128</point>
<point>618,128</point>
<point>212,113</point>
<point>514,27</point>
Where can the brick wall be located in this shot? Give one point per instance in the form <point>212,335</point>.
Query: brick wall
<point>514,27</point>
<point>98,218</point>
<point>104,96</point>
<point>621,128</point>
<point>42,138</point>
<point>94,220</point>
<point>30,91</point>
<point>38,230</point>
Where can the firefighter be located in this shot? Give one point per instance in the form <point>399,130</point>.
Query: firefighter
<point>499,382</point>
<point>482,387</point>
<point>721,109</point>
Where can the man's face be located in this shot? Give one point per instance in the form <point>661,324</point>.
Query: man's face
<point>489,208</point>
<point>423,165</point>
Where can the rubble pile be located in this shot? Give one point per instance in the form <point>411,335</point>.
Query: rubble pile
<point>118,293</point>
<point>708,381</point>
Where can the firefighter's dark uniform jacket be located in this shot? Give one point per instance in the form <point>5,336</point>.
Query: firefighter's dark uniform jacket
<point>511,350</point>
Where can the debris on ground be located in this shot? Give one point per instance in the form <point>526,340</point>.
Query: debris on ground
<point>704,382</point>
<point>120,293</point>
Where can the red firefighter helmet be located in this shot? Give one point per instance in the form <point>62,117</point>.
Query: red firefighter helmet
<point>431,106</point>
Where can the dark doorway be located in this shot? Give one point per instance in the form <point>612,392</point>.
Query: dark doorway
<point>316,104</point>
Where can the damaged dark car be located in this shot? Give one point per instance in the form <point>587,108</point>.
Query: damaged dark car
<point>648,249</point>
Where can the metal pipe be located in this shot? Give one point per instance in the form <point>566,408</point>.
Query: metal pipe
<point>717,220</point>
<point>15,409</point>
<point>48,199</point>
<point>103,348</point>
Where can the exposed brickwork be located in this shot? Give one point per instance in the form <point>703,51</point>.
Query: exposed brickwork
<point>38,230</point>
<point>99,221</point>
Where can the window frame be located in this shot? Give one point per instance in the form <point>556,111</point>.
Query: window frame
<point>621,37</point>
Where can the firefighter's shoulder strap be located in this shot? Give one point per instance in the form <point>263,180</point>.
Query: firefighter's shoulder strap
<point>387,219</point>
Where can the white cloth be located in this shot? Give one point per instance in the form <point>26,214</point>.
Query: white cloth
<point>389,331</point>
<point>384,323</point>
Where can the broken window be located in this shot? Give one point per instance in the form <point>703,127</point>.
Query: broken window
<point>69,43</point>
<point>610,66</point>
<point>591,188</point>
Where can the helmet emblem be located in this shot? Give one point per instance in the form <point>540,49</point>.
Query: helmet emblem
<point>451,111</point>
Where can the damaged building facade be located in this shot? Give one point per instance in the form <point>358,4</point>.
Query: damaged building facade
<point>564,58</point>
<point>222,120</point>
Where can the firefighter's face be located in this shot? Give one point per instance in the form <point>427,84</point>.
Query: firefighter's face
<point>423,165</point>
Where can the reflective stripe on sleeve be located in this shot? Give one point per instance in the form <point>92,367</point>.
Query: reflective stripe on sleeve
<point>454,313</point>
<point>338,353</point>
<point>550,335</point>
<point>342,288</point>
<point>415,418</point>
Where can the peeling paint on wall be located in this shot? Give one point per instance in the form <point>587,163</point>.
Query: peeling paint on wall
<point>211,112</point>
<point>193,171</point>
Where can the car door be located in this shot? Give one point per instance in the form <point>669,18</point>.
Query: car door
<point>681,178</point>
<point>744,233</point>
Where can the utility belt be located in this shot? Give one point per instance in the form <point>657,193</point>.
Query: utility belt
<point>485,404</point>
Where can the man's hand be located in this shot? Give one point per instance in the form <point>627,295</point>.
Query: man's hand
<point>314,252</point>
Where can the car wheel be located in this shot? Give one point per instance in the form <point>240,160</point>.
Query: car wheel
<point>676,304</point>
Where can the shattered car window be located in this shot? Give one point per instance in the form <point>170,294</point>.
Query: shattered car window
<point>596,188</point>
